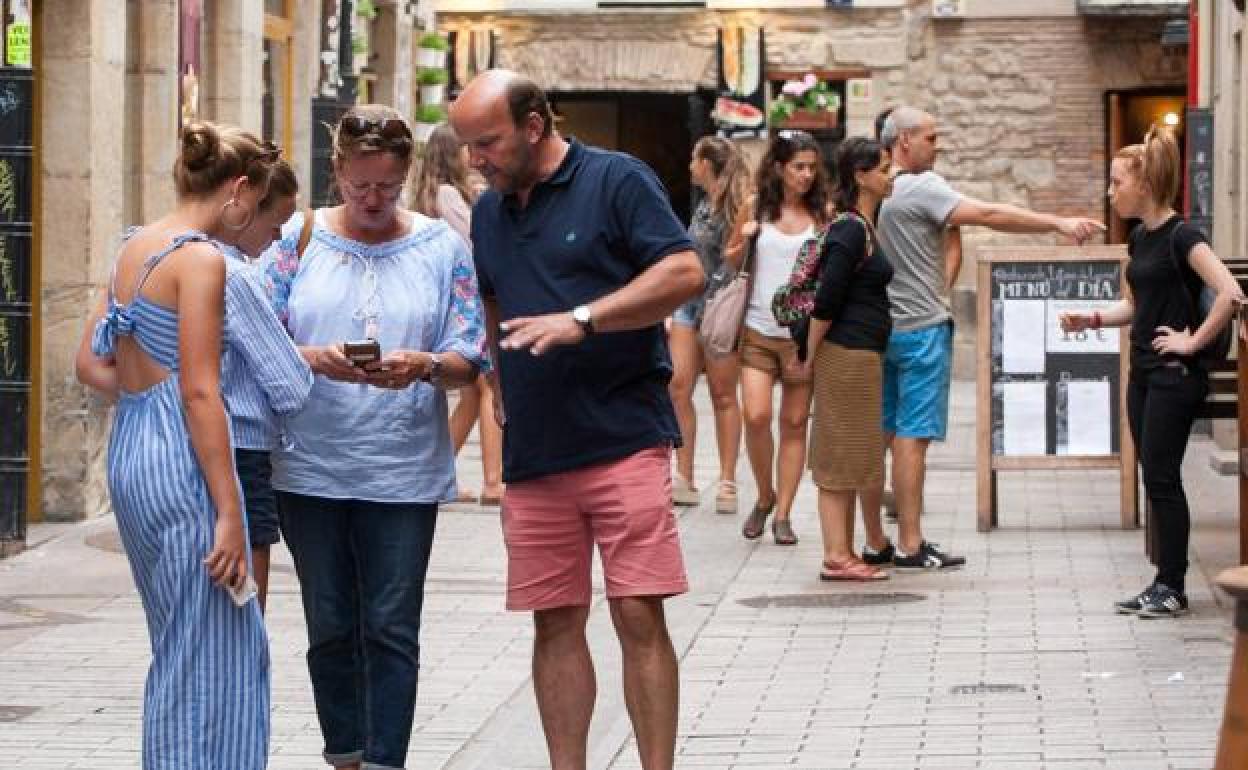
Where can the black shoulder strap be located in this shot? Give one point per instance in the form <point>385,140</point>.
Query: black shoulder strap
<point>1192,312</point>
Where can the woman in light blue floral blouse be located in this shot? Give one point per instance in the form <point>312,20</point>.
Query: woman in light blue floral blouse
<point>361,470</point>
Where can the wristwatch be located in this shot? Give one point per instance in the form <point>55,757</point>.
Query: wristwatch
<point>435,369</point>
<point>584,318</point>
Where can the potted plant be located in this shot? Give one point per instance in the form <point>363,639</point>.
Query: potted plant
<point>427,118</point>
<point>431,51</point>
<point>807,103</point>
<point>432,85</point>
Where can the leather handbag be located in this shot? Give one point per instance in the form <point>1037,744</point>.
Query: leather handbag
<point>724,314</point>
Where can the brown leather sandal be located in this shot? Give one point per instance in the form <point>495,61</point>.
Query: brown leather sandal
<point>753,527</point>
<point>782,531</point>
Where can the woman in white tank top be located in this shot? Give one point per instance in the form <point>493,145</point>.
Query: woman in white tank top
<point>791,208</point>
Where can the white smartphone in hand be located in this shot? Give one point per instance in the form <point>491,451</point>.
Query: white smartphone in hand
<point>244,593</point>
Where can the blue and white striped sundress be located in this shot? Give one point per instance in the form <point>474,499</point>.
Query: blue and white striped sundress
<point>206,702</point>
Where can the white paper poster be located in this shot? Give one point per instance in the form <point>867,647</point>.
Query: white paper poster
<point>1022,336</point>
<point>1087,417</point>
<point>1023,412</point>
<point>1088,341</point>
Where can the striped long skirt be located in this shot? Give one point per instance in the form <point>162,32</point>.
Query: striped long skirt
<point>206,702</point>
<point>846,439</point>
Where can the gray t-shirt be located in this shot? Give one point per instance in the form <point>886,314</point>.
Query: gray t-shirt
<point>912,229</point>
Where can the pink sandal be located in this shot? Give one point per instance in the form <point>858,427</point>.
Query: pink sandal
<point>852,568</point>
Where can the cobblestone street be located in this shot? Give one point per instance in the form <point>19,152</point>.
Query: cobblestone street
<point>1013,662</point>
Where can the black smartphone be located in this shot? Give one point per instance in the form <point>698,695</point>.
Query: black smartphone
<point>362,351</point>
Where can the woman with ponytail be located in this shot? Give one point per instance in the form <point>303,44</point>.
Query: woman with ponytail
<point>158,346</point>
<point>719,169</point>
<point>1170,262</point>
<point>849,328</point>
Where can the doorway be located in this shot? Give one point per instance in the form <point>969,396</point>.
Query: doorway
<point>655,128</point>
<point>1130,114</point>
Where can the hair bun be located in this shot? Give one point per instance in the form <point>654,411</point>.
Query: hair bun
<point>201,146</point>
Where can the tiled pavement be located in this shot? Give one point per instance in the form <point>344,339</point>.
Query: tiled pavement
<point>1013,662</point>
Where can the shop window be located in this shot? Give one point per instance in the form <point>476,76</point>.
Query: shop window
<point>277,107</point>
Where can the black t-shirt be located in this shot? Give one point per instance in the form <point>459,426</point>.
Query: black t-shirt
<point>853,291</point>
<point>1157,290</point>
<point>594,225</point>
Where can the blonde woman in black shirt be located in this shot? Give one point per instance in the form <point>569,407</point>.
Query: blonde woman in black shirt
<point>1168,259</point>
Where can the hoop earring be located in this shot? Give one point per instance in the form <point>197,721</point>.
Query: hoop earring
<point>231,203</point>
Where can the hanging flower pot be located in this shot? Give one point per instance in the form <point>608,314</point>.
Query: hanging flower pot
<point>426,119</point>
<point>431,51</point>
<point>432,94</point>
<point>809,120</point>
<point>807,104</point>
<point>432,85</point>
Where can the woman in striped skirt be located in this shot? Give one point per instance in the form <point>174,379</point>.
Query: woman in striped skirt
<point>848,332</point>
<point>170,466</point>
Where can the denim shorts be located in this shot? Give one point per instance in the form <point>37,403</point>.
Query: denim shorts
<point>690,313</point>
<point>255,474</point>
<point>917,366</point>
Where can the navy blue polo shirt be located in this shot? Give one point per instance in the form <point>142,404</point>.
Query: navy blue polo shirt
<point>594,225</point>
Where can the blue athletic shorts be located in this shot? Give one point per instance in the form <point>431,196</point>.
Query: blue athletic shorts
<point>917,366</point>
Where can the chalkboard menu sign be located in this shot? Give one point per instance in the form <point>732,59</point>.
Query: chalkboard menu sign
<point>1048,398</point>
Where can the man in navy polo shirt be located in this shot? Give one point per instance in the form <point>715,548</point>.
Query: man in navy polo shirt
<point>579,259</point>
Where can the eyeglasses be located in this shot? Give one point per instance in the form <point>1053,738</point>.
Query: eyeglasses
<point>385,128</point>
<point>388,190</point>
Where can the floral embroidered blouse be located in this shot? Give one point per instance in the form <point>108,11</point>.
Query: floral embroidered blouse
<point>417,292</point>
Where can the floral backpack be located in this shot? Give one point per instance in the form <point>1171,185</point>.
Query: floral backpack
<point>794,301</point>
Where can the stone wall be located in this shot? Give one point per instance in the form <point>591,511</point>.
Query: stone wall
<point>1022,104</point>
<point>1022,107</point>
<point>82,211</point>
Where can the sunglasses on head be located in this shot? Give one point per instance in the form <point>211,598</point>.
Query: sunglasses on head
<point>793,135</point>
<point>386,128</point>
<point>269,152</point>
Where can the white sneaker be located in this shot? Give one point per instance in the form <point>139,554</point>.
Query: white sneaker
<point>684,493</point>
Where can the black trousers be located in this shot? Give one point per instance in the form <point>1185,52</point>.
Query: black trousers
<point>1161,405</point>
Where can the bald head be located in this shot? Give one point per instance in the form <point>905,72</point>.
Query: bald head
<point>902,120</point>
<point>500,89</point>
<point>507,125</point>
<point>910,135</point>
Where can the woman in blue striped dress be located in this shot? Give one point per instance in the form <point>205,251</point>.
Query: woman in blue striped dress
<point>170,465</point>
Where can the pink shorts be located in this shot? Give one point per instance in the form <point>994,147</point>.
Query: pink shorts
<point>550,525</point>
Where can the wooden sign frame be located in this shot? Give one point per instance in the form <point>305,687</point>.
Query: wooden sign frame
<point>987,464</point>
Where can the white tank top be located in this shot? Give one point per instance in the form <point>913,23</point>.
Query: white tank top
<point>774,256</point>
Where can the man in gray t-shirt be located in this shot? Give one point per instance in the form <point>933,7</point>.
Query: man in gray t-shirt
<point>919,359</point>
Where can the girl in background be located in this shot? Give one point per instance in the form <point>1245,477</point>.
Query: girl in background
<point>442,189</point>
<point>720,170</point>
<point>791,206</point>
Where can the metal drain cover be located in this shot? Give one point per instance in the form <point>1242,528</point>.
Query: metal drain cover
<point>983,688</point>
<point>15,713</point>
<point>829,601</point>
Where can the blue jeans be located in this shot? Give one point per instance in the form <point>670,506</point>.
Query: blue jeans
<point>361,568</point>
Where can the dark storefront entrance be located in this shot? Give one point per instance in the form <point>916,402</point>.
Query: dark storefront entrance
<point>658,128</point>
<point>1130,114</point>
<point>17,272</point>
